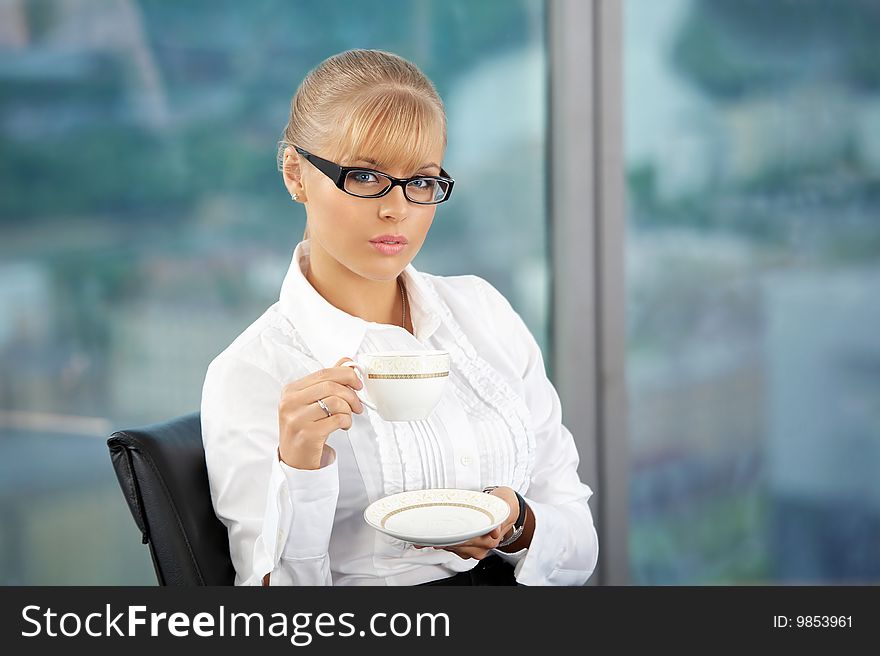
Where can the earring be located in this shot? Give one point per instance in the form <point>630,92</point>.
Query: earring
<point>294,197</point>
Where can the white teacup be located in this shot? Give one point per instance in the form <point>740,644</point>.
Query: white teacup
<point>402,385</point>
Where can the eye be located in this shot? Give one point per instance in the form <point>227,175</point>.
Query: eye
<point>422,183</point>
<point>364,177</point>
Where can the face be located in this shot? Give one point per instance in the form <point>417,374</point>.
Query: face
<point>343,227</point>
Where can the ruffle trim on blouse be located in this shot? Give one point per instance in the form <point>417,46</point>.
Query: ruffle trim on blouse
<point>495,391</point>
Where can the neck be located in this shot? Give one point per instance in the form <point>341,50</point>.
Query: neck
<point>371,300</point>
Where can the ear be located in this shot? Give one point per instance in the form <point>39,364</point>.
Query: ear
<point>292,173</point>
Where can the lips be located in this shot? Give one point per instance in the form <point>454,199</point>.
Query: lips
<point>390,239</point>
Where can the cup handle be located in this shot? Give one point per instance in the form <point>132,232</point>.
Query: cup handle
<point>362,374</point>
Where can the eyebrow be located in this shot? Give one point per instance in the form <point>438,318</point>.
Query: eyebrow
<point>373,162</point>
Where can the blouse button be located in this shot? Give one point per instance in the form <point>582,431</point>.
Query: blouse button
<point>466,461</point>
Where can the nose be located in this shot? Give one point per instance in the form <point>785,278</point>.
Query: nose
<point>394,205</point>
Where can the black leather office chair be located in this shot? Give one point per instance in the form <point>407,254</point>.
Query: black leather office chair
<point>161,469</point>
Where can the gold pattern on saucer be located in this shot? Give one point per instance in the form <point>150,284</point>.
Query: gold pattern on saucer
<point>456,504</point>
<point>441,374</point>
<point>435,505</point>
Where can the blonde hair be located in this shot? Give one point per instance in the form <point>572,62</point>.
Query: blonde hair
<point>366,103</point>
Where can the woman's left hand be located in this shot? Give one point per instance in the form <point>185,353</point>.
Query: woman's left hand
<point>480,547</point>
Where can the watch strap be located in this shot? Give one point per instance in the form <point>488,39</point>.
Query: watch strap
<point>520,522</point>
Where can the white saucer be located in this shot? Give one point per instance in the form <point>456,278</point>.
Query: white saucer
<point>437,518</point>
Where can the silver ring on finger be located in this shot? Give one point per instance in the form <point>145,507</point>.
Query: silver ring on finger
<point>324,407</point>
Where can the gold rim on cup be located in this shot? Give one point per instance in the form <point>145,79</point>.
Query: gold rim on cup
<point>441,374</point>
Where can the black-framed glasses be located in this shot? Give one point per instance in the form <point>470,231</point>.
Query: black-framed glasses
<point>369,183</point>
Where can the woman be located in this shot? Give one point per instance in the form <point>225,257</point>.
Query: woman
<point>293,456</point>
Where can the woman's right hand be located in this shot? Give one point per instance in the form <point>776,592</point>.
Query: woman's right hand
<point>303,425</point>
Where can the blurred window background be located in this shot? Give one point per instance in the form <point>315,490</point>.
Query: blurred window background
<point>752,145</point>
<point>143,223</point>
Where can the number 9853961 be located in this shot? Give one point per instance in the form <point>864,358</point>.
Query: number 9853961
<point>823,621</point>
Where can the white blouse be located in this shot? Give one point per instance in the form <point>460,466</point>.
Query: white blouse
<point>498,423</point>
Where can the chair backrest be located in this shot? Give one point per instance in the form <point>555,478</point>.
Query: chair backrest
<point>161,469</point>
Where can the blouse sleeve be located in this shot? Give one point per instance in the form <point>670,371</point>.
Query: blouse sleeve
<point>279,518</point>
<point>565,547</point>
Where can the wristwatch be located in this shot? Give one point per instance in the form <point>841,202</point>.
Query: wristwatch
<point>520,522</point>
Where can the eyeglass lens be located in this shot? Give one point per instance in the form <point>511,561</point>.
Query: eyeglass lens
<point>420,190</point>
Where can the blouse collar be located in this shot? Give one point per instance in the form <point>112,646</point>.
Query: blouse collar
<point>331,333</point>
